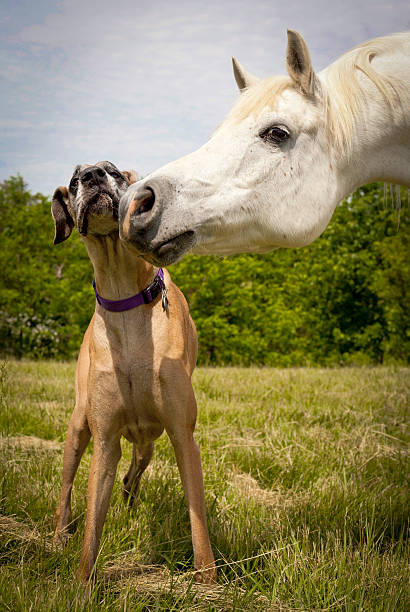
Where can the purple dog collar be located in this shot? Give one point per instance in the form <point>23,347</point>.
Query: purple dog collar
<point>146,296</point>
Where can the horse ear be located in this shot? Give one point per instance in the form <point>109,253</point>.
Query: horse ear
<point>243,79</point>
<point>63,221</point>
<point>131,176</point>
<point>299,64</point>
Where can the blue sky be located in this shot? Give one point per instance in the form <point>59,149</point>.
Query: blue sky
<point>141,83</point>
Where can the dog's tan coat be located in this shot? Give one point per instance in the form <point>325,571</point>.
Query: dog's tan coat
<point>133,379</point>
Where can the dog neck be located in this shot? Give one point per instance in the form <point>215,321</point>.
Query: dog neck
<point>118,271</point>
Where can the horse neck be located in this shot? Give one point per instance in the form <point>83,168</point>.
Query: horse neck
<point>380,148</point>
<point>383,159</point>
<point>118,271</point>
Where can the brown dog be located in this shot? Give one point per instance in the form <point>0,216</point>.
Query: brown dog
<point>134,369</point>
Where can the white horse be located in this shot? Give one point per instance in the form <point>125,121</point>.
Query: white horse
<point>291,148</point>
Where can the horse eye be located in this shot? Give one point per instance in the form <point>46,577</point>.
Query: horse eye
<point>115,174</point>
<point>275,134</point>
<point>74,183</point>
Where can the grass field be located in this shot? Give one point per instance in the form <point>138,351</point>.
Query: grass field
<point>306,477</point>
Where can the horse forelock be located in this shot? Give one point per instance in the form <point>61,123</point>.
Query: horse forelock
<point>263,94</point>
<point>346,98</point>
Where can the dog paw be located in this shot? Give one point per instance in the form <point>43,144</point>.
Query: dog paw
<point>60,539</point>
<point>207,575</point>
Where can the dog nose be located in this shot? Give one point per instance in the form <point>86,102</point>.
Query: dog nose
<point>93,174</point>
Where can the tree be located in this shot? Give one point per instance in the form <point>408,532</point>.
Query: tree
<point>343,299</point>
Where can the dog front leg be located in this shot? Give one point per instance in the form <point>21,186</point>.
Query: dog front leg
<point>106,456</point>
<point>78,436</point>
<point>189,465</point>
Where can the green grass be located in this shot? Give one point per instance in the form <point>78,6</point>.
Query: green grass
<point>306,477</point>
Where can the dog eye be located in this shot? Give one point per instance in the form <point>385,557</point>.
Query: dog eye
<point>275,134</point>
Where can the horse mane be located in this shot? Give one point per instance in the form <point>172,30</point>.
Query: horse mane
<point>346,96</point>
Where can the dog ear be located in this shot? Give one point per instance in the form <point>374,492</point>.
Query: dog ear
<point>131,176</point>
<point>63,221</point>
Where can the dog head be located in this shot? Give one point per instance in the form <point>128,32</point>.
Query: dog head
<point>90,202</point>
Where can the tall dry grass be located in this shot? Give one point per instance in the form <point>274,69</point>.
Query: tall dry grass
<point>306,475</point>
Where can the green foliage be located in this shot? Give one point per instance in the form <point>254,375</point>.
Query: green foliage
<point>343,299</point>
<point>25,335</point>
<point>392,286</point>
<point>45,299</point>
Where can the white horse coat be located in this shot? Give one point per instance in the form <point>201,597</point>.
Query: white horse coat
<point>291,148</point>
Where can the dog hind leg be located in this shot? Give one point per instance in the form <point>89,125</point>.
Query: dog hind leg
<point>141,456</point>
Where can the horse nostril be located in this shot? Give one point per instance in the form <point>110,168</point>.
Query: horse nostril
<point>100,172</point>
<point>144,201</point>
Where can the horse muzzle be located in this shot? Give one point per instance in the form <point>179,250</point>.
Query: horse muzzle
<point>143,222</point>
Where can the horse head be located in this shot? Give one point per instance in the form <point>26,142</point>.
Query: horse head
<point>272,173</point>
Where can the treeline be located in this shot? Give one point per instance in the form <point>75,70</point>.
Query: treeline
<point>343,299</point>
